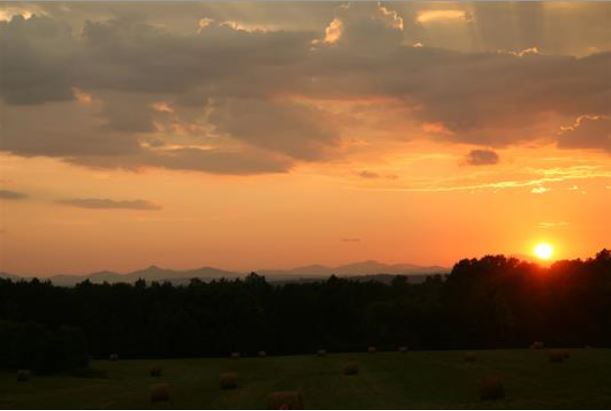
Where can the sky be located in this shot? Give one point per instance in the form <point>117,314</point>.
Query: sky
<point>251,135</point>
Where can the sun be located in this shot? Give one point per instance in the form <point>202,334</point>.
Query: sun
<point>544,251</point>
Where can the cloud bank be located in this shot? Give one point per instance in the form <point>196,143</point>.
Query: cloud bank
<point>241,97</point>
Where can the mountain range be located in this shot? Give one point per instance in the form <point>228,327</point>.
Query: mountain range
<point>306,273</point>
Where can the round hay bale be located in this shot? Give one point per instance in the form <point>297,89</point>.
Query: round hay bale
<point>351,368</point>
<point>285,400</point>
<point>235,354</point>
<point>160,392</point>
<point>537,345</point>
<point>23,375</point>
<point>155,372</point>
<point>228,381</point>
<point>402,349</point>
<point>371,349</point>
<point>558,356</point>
<point>113,357</point>
<point>262,353</point>
<point>321,353</point>
<point>491,388</point>
<point>470,357</point>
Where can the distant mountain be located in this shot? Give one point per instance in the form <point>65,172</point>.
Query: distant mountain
<point>361,268</point>
<point>9,276</point>
<point>376,270</point>
<point>152,273</point>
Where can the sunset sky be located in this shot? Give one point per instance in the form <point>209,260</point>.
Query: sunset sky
<point>272,135</point>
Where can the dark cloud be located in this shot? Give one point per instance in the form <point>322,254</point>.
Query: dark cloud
<point>296,130</point>
<point>12,195</point>
<point>510,25</point>
<point>60,130</point>
<point>104,203</point>
<point>587,132</point>
<point>243,162</point>
<point>482,157</point>
<point>351,240</point>
<point>37,61</point>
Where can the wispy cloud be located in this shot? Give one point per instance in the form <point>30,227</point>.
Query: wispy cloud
<point>105,203</point>
<point>539,190</point>
<point>374,175</point>
<point>546,225</point>
<point>12,195</point>
<point>554,175</point>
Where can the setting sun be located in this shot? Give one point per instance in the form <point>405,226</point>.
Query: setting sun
<point>544,251</point>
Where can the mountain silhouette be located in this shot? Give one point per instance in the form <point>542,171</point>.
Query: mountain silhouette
<point>306,273</point>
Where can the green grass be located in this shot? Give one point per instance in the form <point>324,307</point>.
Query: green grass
<point>386,381</point>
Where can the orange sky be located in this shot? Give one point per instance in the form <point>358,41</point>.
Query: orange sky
<point>248,136</point>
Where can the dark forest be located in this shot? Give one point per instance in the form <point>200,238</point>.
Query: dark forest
<point>492,302</point>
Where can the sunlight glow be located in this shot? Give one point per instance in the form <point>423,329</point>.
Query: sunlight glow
<point>544,251</point>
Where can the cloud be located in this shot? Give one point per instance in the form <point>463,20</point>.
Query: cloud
<point>368,174</point>
<point>104,203</point>
<point>482,157</point>
<point>293,129</point>
<point>262,97</point>
<point>546,225</point>
<point>539,190</point>
<point>431,16</point>
<point>536,181</point>
<point>242,162</point>
<point>61,129</point>
<point>333,32</point>
<point>587,132</point>
<point>12,195</point>
<point>374,175</point>
<point>37,56</point>
<point>351,240</point>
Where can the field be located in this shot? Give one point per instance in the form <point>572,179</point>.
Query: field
<point>386,380</point>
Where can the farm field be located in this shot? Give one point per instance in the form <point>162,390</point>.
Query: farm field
<point>387,380</point>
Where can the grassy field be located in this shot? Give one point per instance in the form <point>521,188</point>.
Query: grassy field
<point>386,380</point>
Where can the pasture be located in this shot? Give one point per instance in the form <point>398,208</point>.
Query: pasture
<point>385,380</point>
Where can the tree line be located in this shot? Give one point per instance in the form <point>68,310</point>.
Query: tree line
<point>492,302</point>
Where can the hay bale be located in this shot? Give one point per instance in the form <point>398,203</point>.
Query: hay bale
<point>262,353</point>
<point>321,353</point>
<point>491,388</point>
<point>228,381</point>
<point>402,349</point>
<point>160,392</point>
<point>371,349</point>
<point>285,400</point>
<point>23,375</point>
<point>155,372</point>
<point>235,354</point>
<point>537,345</point>
<point>558,356</point>
<point>470,357</point>
<point>113,357</point>
<point>351,368</point>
